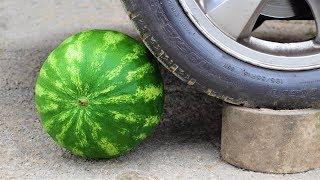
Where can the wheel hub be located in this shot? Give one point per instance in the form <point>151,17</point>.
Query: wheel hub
<point>229,25</point>
<point>283,8</point>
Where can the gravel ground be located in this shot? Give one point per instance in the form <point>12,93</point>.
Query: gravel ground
<point>185,145</point>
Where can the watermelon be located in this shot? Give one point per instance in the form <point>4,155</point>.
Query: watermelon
<point>99,94</point>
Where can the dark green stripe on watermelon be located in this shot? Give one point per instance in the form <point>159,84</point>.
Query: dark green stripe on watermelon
<point>99,94</point>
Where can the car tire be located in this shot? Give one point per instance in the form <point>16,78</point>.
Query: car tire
<point>185,51</point>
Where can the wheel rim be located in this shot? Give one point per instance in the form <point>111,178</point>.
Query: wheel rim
<point>229,25</point>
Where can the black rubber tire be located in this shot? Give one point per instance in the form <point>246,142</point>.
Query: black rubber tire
<point>181,48</point>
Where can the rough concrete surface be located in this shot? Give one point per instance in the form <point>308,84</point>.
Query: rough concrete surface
<point>271,141</point>
<point>185,145</point>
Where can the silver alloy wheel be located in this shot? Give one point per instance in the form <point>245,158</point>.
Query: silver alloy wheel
<point>229,25</point>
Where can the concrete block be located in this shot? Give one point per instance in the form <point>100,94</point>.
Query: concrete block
<point>272,141</point>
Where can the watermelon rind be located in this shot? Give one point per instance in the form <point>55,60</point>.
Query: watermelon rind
<point>99,94</point>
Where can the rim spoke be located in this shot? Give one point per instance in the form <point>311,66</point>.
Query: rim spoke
<point>235,17</point>
<point>315,7</point>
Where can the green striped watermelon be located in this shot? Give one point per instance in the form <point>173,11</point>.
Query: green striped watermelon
<point>99,94</point>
